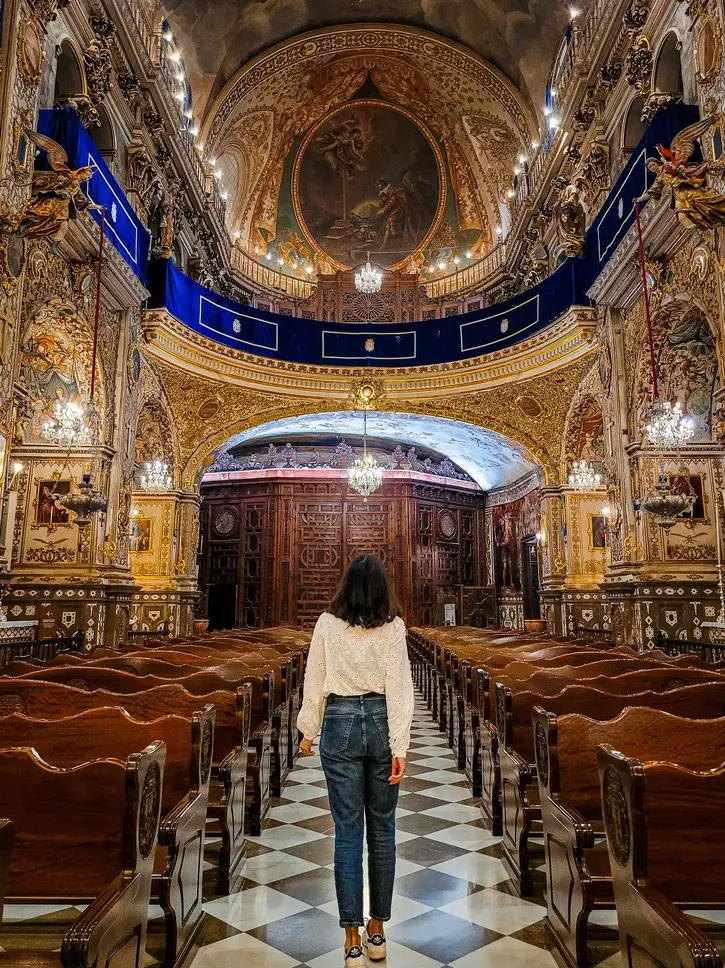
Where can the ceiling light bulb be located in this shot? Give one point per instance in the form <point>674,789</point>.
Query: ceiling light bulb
<point>193,131</point>
<point>175,56</point>
<point>534,145</point>
<point>218,175</point>
<point>552,91</point>
<point>517,171</point>
<point>167,35</point>
<point>456,261</point>
<point>469,254</point>
<point>573,13</point>
<point>189,114</point>
<point>225,195</point>
<point>510,193</point>
<point>441,265</point>
<point>17,467</point>
<point>280,262</point>
<point>431,268</point>
<point>200,147</point>
<point>268,256</point>
<point>553,122</point>
<point>523,159</point>
<point>499,230</point>
<point>308,270</point>
<point>256,250</point>
<point>547,110</point>
<point>237,234</point>
<point>180,77</point>
<point>180,96</point>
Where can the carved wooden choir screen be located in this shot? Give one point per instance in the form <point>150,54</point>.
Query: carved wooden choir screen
<point>279,548</point>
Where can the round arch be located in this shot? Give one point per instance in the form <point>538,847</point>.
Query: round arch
<point>69,75</point>
<point>633,127</point>
<point>668,67</point>
<point>433,425</point>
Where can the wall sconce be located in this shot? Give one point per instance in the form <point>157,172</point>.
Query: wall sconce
<point>540,536</point>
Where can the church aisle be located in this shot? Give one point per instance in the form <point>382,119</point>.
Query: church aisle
<point>453,902</point>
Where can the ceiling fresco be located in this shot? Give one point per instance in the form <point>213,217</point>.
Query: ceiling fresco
<point>492,460</point>
<point>519,37</point>
<point>447,102</point>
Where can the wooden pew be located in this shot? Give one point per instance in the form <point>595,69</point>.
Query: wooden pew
<point>579,877</point>
<point>228,787</point>
<point>98,846</point>
<point>110,733</point>
<point>520,793</point>
<point>655,873</point>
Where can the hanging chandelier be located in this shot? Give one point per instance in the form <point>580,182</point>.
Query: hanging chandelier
<point>68,426</point>
<point>583,477</point>
<point>365,475</point>
<point>82,503</point>
<point>665,505</point>
<point>156,477</point>
<point>667,426</point>
<point>368,280</point>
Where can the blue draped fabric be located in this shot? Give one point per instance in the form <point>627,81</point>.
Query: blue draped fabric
<point>617,214</point>
<point>343,344</point>
<point>123,227</point>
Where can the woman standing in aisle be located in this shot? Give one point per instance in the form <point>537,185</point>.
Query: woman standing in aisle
<point>359,687</point>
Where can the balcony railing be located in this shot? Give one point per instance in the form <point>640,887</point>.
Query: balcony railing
<point>474,276</point>
<point>269,278</point>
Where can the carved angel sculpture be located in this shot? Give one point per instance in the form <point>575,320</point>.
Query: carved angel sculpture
<point>698,207</point>
<point>57,196</point>
<point>571,220</point>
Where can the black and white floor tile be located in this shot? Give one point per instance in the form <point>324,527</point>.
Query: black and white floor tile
<point>454,904</point>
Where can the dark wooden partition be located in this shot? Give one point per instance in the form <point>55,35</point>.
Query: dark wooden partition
<point>273,551</point>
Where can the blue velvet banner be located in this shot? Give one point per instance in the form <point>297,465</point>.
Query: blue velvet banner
<point>344,344</point>
<point>617,214</point>
<point>123,228</point>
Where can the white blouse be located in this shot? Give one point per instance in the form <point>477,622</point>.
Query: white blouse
<point>347,660</point>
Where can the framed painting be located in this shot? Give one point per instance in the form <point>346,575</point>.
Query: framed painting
<point>597,532</point>
<point>140,535</point>
<point>47,512</point>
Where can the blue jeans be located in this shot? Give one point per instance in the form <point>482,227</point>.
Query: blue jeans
<point>356,758</point>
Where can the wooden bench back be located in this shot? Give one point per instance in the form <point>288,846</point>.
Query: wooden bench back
<point>111,733</point>
<point>44,700</point>
<point>77,829</point>
<point>566,747</point>
<point>663,822</point>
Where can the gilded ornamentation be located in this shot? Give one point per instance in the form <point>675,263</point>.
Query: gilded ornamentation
<point>30,51</point>
<point>50,552</point>
<point>368,395</point>
<point>708,50</point>
<point>571,221</point>
<point>638,65</point>
<point>97,61</point>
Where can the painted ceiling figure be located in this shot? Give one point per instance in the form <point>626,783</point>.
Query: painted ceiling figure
<point>399,212</point>
<point>57,196</point>
<point>698,207</point>
<point>342,148</point>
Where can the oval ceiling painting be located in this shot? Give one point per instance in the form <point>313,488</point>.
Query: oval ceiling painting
<point>368,178</point>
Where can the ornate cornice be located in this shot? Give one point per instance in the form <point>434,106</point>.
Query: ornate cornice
<point>565,341</point>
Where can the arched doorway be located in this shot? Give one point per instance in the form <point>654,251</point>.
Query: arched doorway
<point>453,519</point>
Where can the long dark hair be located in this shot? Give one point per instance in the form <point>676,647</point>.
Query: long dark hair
<point>364,596</point>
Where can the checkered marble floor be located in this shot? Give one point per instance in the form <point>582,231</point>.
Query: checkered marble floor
<point>454,904</point>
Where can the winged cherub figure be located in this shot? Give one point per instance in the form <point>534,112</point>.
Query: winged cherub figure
<point>57,196</point>
<point>698,207</point>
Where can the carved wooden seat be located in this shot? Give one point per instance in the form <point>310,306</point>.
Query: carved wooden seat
<point>656,874</point>
<point>227,792</point>
<point>112,733</point>
<point>86,832</point>
<point>566,757</point>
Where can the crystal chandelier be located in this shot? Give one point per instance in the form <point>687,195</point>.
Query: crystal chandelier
<point>368,280</point>
<point>68,427</point>
<point>156,477</point>
<point>82,503</point>
<point>665,506</point>
<point>583,477</point>
<point>365,475</point>
<point>667,427</point>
